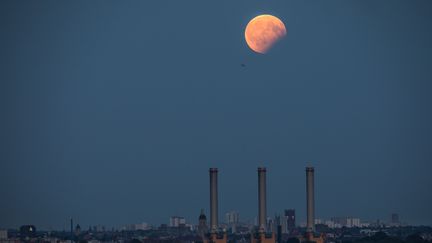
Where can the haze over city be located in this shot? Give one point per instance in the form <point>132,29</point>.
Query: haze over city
<point>113,112</point>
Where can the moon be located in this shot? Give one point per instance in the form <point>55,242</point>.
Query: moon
<point>263,31</point>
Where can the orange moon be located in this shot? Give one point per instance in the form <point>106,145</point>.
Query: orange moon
<point>263,31</point>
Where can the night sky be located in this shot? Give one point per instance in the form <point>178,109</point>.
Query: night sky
<point>113,111</point>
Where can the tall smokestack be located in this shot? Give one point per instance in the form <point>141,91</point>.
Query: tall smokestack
<point>213,200</point>
<point>262,217</point>
<point>310,202</point>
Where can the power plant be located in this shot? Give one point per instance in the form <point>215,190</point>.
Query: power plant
<point>262,235</point>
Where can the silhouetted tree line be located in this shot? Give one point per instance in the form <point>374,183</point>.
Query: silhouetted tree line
<point>382,237</point>
<point>379,237</point>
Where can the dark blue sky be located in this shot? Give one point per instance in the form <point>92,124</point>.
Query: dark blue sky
<point>113,111</point>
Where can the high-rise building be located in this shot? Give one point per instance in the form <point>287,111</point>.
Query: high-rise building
<point>277,222</point>
<point>352,222</point>
<point>279,234</point>
<point>284,225</point>
<point>395,219</point>
<point>290,219</point>
<point>232,220</point>
<point>3,234</point>
<point>271,224</point>
<point>232,217</point>
<point>277,228</point>
<point>176,221</point>
<point>142,226</point>
<point>339,222</point>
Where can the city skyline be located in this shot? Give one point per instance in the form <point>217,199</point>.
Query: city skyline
<point>332,222</point>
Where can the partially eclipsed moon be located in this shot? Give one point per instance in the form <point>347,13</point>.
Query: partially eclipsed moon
<point>263,31</point>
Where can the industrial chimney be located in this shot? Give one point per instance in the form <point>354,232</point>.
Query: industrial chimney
<point>213,200</point>
<point>262,236</point>
<point>310,203</point>
<point>262,217</point>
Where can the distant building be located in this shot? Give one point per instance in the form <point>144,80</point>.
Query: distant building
<point>395,219</point>
<point>163,227</point>
<point>353,222</point>
<point>77,230</point>
<point>3,234</point>
<point>278,223</point>
<point>176,221</point>
<point>142,226</point>
<point>202,224</point>
<point>290,219</point>
<point>279,233</point>
<point>232,217</point>
<point>271,224</point>
<point>283,224</point>
<point>339,222</point>
<point>330,223</point>
<point>364,224</point>
<point>27,231</point>
<point>98,228</point>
